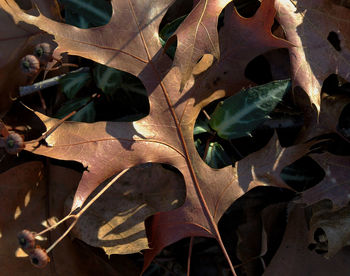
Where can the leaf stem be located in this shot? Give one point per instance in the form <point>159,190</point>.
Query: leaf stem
<point>192,172</point>
<point>61,121</point>
<point>77,216</point>
<point>55,225</point>
<point>189,256</point>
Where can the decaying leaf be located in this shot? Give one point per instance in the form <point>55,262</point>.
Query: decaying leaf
<point>294,258</point>
<point>116,220</point>
<point>197,36</point>
<point>336,184</point>
<point>32,200</point>
<point>16,41</point>
<point>329,230</point>
<point>166,134</point>
<point>259,169</point>
<point>320,32</point>
<point>328,119</point>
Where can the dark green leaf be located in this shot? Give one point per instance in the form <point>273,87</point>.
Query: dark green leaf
<point>201,126</point>
<point>167,32</point>
<point>107,79</point>
<point>216,156</point>
<point>73,82</point>
<point>87,13</point>
<point>86,114</point>
<point>169,29</point>
<point>238,115</point>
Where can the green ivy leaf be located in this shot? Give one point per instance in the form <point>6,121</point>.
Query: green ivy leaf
<point>107,79</point>
<point>87,13</point>
<point>216,156</point>
<point>201,126</point>
<point>238,115</point>
<point>167,31</point>
<point>73,82</point>
<point>199,146</point>
<point>86,114</point>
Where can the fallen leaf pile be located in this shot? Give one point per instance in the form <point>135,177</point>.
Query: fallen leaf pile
<point>209,64</point>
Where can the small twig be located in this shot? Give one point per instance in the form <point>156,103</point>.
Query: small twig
<point>61,121</point>
<point>63,65</point>
<point>207,144</point>
<point>206,114</point>
<point>55,225</point>
<point>62,237</point>
<point>43,103</point>
<point>78,215</point>
<point>30,89</point>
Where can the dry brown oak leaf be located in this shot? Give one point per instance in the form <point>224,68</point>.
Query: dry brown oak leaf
<point>332,107</point>
<point>335,186</point>
<point>166,134</point>
<point>16,41</point>
<point>197,36</point>
<point>308,24</point>
<point>115,222</point>
<point>294,258</point>
<point>329,230</point>
<point>29,197</point>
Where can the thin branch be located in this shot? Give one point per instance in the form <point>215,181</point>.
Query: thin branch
<point>77,216</point>
<point>30,89</point>
<point>61,121</point>
<point>206,114</point>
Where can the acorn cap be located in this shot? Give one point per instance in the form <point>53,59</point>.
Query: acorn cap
<point>30,65</point>
<point>14,143</point>
<point>39,257</point>
<point>26,240</point>
<point>43,52</point>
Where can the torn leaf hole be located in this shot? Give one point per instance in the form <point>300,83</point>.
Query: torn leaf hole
<point>320,236</point>
<point>258,70</point>
<point>303,174</point>
<point>344,122</point>
<point>333,39</point>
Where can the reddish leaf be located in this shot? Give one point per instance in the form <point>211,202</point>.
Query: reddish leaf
<point>327,121</point>
<point>197,36</point>
<point>166,134</point>
<point>329,230</point>
<point>16,41</point>
<point>115,222</point>
<point>264,166</point>
<point>29,201</point>
<point>336,184</point>
<point>308,24</point>
<point>294,258</point>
